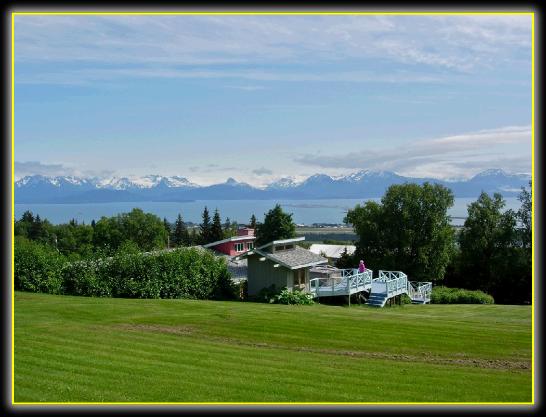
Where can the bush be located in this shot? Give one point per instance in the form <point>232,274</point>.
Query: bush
<point>267,294</point>
<point>37,267</point>
<point>405,299</point>
<point>445,295</point>
<point>293,297</point>
<point>182,273</point>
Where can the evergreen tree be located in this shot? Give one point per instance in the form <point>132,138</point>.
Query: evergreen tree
<point>277,225</point>
<point>27,217</point>
<point>252,223</point>
<point>93,224</point>
<point>194,238</point>
<point>180,233</point>
<point>205,227</point>
<point>216,232</point>
<point>36,228</point>
<point>345,261</point>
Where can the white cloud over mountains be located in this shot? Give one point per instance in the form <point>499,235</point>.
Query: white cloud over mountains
<point>460,155</point>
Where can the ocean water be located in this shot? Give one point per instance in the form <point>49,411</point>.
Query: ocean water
<point>304,211</point>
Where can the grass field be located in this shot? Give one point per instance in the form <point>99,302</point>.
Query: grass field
<point>76,349</point>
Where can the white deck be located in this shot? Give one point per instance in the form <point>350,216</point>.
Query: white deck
<point>389,284</point>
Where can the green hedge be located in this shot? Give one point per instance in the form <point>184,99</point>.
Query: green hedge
<point>181,273</point>
<point>37,267</point>
<point>445,295</point>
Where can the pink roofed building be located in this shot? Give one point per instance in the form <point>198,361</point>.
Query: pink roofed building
<point>235,245</point>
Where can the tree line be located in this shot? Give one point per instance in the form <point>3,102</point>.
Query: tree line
<point>410,230</point>
<point>140,231</point>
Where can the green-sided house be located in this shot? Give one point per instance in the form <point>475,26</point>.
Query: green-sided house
<point>281,263</point>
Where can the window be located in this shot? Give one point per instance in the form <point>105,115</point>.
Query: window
<point>250,246</point>
<point>239,247</point>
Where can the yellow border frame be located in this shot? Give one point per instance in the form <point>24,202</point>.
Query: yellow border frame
<point>239,13</point>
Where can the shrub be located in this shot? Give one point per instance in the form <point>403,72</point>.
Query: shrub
<point>405,299</point>
<point>182,273</point>
<point>445,295</point>
<point>293,297</point>
<point>267,294</point>
<point>37,267</point>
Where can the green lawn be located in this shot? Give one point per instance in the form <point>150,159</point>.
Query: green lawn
<point>77,349</point>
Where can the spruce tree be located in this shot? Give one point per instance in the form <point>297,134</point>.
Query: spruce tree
<point>205,227</point>
<point>252,224</point>
<point>216,232</point>
<point>180,234</point>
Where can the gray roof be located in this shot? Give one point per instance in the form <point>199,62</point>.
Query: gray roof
<point>295,258</point>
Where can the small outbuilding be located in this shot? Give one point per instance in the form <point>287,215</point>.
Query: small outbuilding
<point>281,263</point>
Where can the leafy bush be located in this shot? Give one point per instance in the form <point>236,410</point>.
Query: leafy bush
<point>405,299</point>
<point>37,267</point>
<point>181,273</point>
<point>445,295</point>
<point>293,297</point>
<point>267,294</point>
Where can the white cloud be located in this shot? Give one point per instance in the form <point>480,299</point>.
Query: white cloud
<point>165,46</point>
<point>23,169</point>
<point>451,156</point>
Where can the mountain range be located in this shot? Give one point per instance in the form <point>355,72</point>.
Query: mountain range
<point>361,184</point>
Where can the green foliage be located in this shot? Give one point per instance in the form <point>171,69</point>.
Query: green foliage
<point>180,236</point>
<point>253,223</point>
<point>277,225</point>
<point>408,231</point>
<point>205,227</point>
<point>216,231</point>
<point>345,261</point>
<point>267,294</point>
<point>145,229</point>
<point>405,299</point>
<point>293,297</point>
<point>490,259</point>
<point>37,267</point>
<point>445,295</point>
<point>182,273</point>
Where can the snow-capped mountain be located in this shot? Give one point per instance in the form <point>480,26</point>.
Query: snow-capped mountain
<point>361,184</point>
<point>283,184</point>
<point>148,181</point>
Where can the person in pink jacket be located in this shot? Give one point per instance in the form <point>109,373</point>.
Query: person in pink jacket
<point>361,266</point>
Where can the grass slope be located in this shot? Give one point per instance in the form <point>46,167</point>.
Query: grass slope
<point>77,349</point>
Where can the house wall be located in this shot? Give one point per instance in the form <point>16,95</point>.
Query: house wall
<point>261,274</point>
<point>229,247</point>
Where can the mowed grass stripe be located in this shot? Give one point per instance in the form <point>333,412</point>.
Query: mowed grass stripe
<point>293,383</point>
<point>444,340</point>
<point>219,359</point>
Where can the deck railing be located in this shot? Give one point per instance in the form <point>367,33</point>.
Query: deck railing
<point>341,282</point>
<point>420,291</point>
<point>396,282</point>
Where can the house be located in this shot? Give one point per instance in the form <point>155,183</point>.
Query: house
<point>234,245</point>
<point>280,263</point>
<point>332,252</point>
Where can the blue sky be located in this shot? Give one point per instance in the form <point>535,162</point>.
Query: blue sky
<point>263,97</point>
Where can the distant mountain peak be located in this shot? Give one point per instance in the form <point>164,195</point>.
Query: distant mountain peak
<point>492,172</point>
<point>283,183</point>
